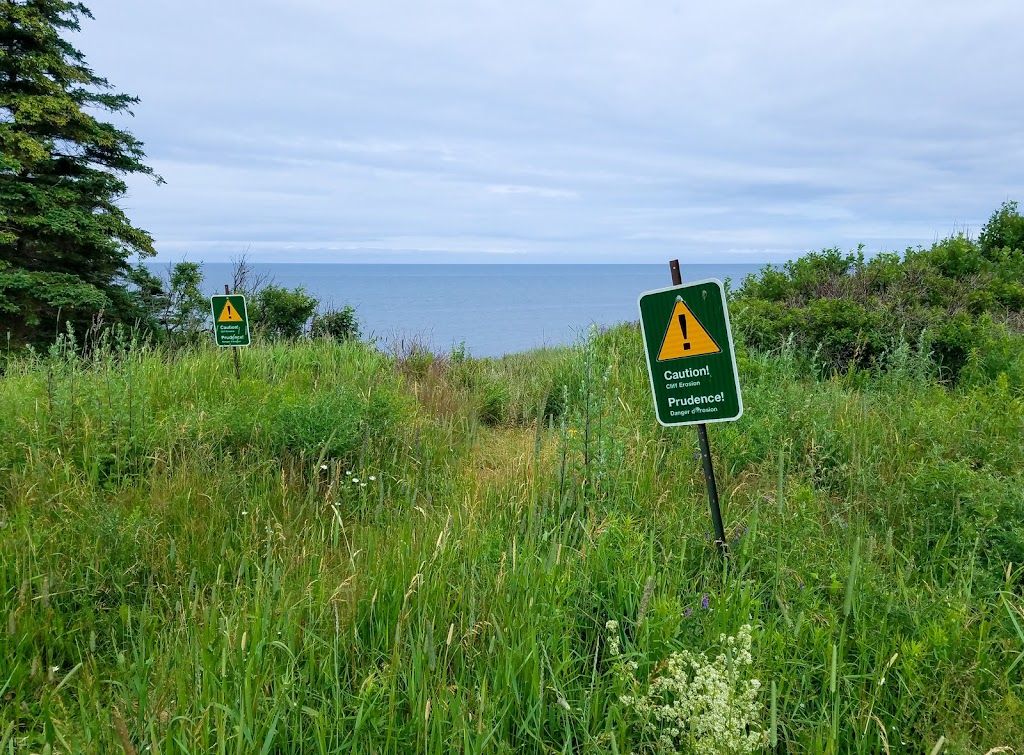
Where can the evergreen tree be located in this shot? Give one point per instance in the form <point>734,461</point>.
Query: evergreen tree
<point>65,245</point>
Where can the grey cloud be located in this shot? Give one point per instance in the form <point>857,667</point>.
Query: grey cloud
<point>584,129</point>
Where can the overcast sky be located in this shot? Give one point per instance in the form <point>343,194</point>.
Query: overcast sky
<point>564,130</point>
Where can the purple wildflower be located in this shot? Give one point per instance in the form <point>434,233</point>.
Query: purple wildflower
<point>705,602</point>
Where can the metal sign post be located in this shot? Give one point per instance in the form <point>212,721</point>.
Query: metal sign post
<point>692,365</point>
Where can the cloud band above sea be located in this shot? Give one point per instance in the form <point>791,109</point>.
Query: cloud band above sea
<point>565,132</point>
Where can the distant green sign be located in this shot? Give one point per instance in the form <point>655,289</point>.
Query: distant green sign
<point>690,355</point>
<point>230,321</point>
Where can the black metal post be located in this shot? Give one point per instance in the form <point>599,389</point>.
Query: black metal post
<point>705,451</point>
<point>238,366</point>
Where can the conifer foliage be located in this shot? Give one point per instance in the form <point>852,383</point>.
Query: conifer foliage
<point>66,248</point>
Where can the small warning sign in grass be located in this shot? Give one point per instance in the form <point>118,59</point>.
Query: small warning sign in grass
<point>230,321</point>
<point>690,356</point>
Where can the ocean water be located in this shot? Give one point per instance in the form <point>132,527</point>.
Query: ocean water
<point>493,309</point>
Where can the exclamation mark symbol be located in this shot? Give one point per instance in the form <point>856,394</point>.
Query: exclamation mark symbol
<point>682,324</point>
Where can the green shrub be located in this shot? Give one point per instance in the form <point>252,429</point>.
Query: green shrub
<point>957,257</point>
<point>772,284</point>
<point>763,323</point>
<point>960,297</point>
<point>815,270</point>
<point>338,324</point>
<point>847,333</point>
<point>1004,230</point>
<point>185,308</point>
<point>1002,354</point>
<point>883,272</point>
<point>952,342</point>
<point>282,313</point>
<point>1008,294</point>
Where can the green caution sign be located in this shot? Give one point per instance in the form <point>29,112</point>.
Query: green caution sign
<point>230,321</point>
<point>690,356</point>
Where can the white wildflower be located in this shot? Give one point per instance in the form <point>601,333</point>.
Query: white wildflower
<point>613,638</point>
<point>695,704</point>
<point>373,478</point>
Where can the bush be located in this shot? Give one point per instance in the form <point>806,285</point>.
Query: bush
<point>337,324</point>
<point>283,313</point>
<point>1004,230</point>
<point>957,257</point>
<point>186,309</point>
<point>961,296</point>
<point>772,285</point>
<point>843,332</point>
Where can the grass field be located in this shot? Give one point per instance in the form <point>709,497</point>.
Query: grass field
<point>349,551</point>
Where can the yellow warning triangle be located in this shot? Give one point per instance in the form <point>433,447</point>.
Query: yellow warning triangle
<point>229,314</point>
<point>685,336</point>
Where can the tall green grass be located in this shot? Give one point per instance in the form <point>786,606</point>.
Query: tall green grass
<point>188,563</point>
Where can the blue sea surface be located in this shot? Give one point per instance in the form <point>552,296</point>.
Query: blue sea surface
<point>493,309</point>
